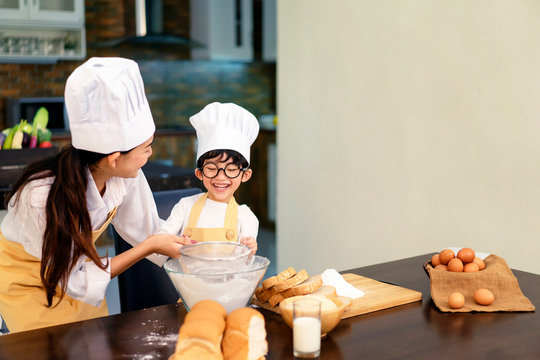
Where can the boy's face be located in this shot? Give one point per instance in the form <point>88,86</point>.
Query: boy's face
<point>221,188</point>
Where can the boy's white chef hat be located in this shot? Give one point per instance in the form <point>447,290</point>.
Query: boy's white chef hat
<point>225,126</point>
<point>107,107</point>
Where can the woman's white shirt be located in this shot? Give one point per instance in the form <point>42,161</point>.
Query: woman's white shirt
<point>135,220</point>
<point>212,216</point>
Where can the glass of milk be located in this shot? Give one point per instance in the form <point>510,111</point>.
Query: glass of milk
<point>307,328</point>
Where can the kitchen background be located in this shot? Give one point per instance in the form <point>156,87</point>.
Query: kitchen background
<point>178,84</point>
<point>404,127</point>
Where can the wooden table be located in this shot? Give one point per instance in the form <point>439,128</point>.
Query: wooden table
<point>414,331</point>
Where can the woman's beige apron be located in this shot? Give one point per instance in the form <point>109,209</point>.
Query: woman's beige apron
<point>229,231</point>
<point>23,303</point>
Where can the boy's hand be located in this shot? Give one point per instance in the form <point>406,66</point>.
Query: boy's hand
<point>188,240</point>
<point>251,242</point>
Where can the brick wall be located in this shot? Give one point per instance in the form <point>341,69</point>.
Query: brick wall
<point>176,87</point>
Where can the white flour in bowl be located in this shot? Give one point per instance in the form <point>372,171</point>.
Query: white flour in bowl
<point>230,290</point>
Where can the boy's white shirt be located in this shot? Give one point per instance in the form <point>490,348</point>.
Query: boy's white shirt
<point>136,219</point>
<point>212,216</point>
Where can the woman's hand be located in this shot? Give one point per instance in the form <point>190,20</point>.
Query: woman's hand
<point>166,244</point>
<point>251,242</point>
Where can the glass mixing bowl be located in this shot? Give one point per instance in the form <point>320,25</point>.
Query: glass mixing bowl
<point>214,254</point>
<point>232,289</point>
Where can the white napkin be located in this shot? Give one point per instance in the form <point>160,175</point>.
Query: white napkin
<point>343,288</point>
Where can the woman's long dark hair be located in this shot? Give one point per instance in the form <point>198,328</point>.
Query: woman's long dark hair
<point>68,233</point>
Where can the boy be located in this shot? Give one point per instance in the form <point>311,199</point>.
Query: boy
<point>225,133</point>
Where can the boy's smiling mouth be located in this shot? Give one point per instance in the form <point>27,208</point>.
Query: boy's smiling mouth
<point>221,186</point>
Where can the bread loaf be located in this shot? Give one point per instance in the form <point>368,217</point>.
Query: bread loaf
<point>347,301</point>
<point>201,333</point>
<point>276,299</point>
<point>282,276</point>
<point>326,290</point>
<point>326,303</point>
<point>267,294</point>
<point>245,335</point>
<point>307,287</point>
<point>209,306</point>
<point>295,280</point>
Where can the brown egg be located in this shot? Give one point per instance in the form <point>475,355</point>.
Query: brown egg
<point>456,300</point>
<point>455,265</point>
<point>441,267</point>
<point>435,260</point>
<point>481,264</point>
<point>483,297</point>
<point>471,267</point>
<point>446,255</point>
<point>466,255</point>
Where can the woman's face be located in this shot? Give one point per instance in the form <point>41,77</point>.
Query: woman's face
<point>130,163</point>
<point>221,188</point>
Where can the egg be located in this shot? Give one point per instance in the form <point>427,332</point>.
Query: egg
<point>481,264</point>
<point>471,267</point>
<point>441,267</point>
<point>455,265</point>
<point>466,255</point>
<point>435,260</point>
<point>483,297</point>
<point>445,256</point>
<point>456,300</point>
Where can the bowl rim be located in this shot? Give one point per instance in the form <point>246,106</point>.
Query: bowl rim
<point>246,250</point>
<point>339,307</point>
<point>264,264</point>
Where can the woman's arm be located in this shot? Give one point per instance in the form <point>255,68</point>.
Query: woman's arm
<point>164,244</point>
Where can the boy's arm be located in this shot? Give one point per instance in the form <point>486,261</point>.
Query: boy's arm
<point>175,221</point>
<point>249,228</point>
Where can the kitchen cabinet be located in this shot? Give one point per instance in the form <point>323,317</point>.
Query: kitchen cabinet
<point>41,30</point>
<point>12,163</point>
<point>225,27</point>
<point>67,11</point>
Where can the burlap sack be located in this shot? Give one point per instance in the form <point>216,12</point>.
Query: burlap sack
<point>496,277</point>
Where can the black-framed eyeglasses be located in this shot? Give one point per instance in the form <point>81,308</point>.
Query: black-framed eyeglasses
<point>230,170</point>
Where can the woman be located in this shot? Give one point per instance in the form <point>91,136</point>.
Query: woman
<point>51,271</point>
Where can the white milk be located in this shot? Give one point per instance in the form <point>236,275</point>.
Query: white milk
<point>306,334</point>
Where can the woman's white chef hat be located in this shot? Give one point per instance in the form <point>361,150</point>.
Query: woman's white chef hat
<point>225,127</point>
<point>107,107</point>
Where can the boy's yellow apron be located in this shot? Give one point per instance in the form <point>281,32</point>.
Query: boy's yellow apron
<point>229,231</point>
<point>23,303</point>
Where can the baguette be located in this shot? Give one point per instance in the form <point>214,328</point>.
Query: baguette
<point>201,333</point>
<point>282,276</point>
<point>209,306</point>
<point>245,335</point>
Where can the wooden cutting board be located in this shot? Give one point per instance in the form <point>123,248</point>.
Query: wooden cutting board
<point>377,296</point>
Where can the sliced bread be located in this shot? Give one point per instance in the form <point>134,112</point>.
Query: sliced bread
<point>282,276</point>
<point>307,287</point>
<point>295,280</point>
